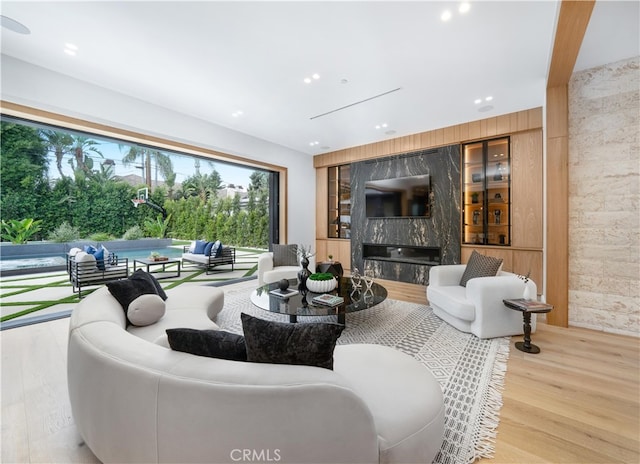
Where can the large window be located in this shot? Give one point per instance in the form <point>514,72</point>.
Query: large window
<point>85,181</point>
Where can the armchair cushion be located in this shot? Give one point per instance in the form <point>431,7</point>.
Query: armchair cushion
<point>480,266</point>
<point>285,255</point>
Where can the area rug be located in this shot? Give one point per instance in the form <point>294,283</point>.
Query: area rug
<point>470,371</point>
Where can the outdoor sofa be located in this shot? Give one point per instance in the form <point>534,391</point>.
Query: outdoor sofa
<point>94,267</point>
<point>208,254</point>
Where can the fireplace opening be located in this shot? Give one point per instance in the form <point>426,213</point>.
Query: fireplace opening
<point>429,256</point>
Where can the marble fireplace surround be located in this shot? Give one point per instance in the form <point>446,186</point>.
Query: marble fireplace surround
<point>441,231</point>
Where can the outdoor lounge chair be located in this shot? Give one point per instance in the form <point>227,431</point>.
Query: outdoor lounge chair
<point>209,255</point>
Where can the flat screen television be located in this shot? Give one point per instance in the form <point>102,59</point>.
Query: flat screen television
<point>398,197</point>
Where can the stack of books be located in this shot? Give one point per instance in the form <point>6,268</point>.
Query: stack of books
<point>328,300</point>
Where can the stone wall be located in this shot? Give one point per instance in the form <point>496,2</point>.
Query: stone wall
<point>604,180</point>
<point>441,230</point>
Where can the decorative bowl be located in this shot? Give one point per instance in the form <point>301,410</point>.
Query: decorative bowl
<point>321,286</point>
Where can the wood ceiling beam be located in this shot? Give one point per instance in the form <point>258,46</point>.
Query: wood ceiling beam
<point>572,25</point>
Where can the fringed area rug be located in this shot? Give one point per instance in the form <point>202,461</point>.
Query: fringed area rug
<point>470,371</point>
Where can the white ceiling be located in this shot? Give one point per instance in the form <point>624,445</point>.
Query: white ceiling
<point>210,59</point>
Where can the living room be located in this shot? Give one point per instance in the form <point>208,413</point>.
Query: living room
<point>34,91</point>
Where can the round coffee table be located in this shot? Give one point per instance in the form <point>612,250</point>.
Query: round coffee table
<point>294,307</point>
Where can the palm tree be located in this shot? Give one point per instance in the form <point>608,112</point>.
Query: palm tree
<point>81,148</point>
<point>59,143</point>
<point>162,161</point>
<point>203,186</point>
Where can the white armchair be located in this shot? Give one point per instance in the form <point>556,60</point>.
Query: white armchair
<point>268,273</point>
<point>477,308</point>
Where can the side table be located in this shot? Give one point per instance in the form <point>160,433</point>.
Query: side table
<point>527,307</point>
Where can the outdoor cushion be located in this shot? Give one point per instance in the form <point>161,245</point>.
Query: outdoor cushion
<point>216,250</point>
<point>207,248</point>
<point>199,248</point>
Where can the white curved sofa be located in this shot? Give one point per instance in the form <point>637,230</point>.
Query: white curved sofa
<point>135,401</point>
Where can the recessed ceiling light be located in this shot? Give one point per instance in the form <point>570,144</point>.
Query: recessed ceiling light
<point>307,80</point>
<point>381,126</point>
<point>489,98</point>
<point>236,114</point>
<point>464,7</point>
<point>71,46</point>
<point>13,25</point>
<point>313,144</point>
<point>477,101</point>
<point>316,76</point>
<point>70,52</point>
<point>446,15</point>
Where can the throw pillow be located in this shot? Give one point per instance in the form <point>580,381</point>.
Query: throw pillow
<point>90,249</point>
<point>199,248</point>
<point>309,344</point>
<point>211,343</point>
<point>100,255</point>
<point>86,261</point>
<point>207,248</point>
<point>480,266</point>
<point>146,310</point>
<point>192,247</point>
<point>216,250</point>
<point>74,251</point>
<point>142,275</point>
<point>285,255</point>
<point>127,290</point>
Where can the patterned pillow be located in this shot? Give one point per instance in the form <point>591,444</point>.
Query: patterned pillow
<point>480,266</point>
<point>309,344</point>
<point>285,255</point>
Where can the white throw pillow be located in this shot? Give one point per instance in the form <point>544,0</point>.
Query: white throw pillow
<point>147,309</point>
<point>192,247</point>
<point>85,261</point>
<point>74,251</point>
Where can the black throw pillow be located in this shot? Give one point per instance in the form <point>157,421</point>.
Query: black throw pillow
<point>142,275</point>
<point>310,344</point>
<point>127,290</point>
<point>211,343</point>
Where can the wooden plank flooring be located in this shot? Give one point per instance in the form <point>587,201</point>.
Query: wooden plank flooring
<point>578,401</point>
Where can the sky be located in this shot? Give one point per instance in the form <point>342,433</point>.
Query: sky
<point>183,165</point>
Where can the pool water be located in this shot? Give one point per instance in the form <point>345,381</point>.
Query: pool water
<point>43,263</point>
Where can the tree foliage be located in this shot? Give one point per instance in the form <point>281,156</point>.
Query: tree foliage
<point>93,201</point>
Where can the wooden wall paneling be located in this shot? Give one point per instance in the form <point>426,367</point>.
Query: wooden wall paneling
<point>526,190</point>
<point>322,202</point>
<point>525,261</point>
<point>557,285</point>
<point>474,130</point>
<point>321,251</point>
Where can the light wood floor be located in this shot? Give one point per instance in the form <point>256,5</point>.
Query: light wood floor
<point>578,401</point>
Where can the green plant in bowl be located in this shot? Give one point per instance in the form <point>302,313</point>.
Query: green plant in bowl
<point>321,276</point>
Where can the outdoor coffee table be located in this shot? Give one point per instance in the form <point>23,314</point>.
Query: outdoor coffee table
<point>294,307</point>
<point>527,307</point>
<point>150,262</point>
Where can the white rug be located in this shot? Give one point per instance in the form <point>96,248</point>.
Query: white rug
<point>470,371</point>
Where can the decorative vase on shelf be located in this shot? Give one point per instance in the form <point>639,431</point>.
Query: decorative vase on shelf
<point>527,292</point>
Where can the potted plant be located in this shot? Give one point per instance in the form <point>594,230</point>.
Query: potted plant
<point>321,282</point>
<point>155,256</point>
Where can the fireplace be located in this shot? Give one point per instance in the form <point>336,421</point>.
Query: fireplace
<point>429,256</point>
